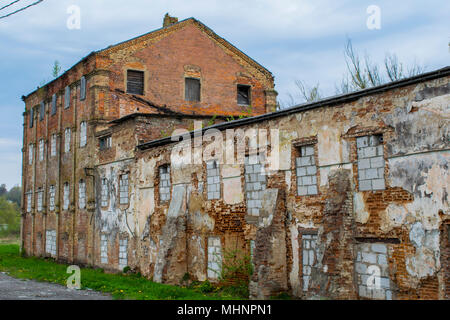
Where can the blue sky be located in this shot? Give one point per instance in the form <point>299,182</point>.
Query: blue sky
<point>295,39</point>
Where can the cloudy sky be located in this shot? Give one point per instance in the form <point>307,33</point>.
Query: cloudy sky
<point>295,39</point>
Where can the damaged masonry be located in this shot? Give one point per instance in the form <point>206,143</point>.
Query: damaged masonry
<point>349,201</point>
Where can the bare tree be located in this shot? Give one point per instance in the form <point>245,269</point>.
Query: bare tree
<point>308,94</point>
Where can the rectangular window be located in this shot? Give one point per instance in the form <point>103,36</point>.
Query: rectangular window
<point>135,82</point>
<point>309,244</point>
<point>40,199</point>
<point>53,145</point>
<point>104,192</point>
<point>104,248</point>
<point>53,111</point>
<point>83,134</point>
<point>31,119</point>
<point>41,149</point>
<point>192,89</point>
<point>66,195</point>
<point>83,88</point>
<point>123,189</point>
<point>82,194</point>
<point>306,171</point>
<point>105,142</point>
<point>67,136</point>
<point>164,183</point>
<point>370,162</point>
<point>51,201</point>
<point>243,95</point>
<point>214,257</point>
<point>213,179</point>
<point>42,111</point>
<point>255,184</point>
<point>123,253</point>
<point>67,97</point>
<point>29,201</point>
<point>50,242</point>
<point>30,153</point>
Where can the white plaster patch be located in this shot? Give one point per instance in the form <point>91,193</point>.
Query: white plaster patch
<point>329,146</point>
<point>232,190</point>
<point>326,170</point>
<point>361,214</point>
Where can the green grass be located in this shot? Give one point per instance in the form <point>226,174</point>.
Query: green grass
<point>120,286</point>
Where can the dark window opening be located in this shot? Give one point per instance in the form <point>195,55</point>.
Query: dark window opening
<point>105,142</point>
<point>192,89</point>
<point>42,111</point>
<point>31,117</point>
<point>243,95</point>
<point>135,82</point>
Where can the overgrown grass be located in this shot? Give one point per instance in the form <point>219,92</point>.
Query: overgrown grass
<point>120,286</point>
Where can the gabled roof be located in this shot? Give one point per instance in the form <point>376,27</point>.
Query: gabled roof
<point>159,33</point>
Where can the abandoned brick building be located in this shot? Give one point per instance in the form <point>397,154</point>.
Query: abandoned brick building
<point>360,188</point>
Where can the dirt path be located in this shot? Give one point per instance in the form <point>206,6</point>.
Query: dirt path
<point>21,289</point>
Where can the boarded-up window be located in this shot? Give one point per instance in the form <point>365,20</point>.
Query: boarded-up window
<point>82,194</point>
<point>192,89</point>
<point>53,145</point>
<point>40,199</point>
<point>105,142</point>
<point>29,201</point>
<point>67,97</point>
<point>66,196</point>
<point>53,111</point>
<point>67,135</point>
<point>41,111</point>
<point>51,192</point>
<point>123,189</point>
<point>83,133</point>
<point>30,153</point>
<point>31,119</point>
<point>41,149</point>
<point>104,192</point>
<point>243,95</point>
<point>135,82</point>
<point>83,88</point>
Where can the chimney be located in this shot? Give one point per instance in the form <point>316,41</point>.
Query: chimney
<point>168,20</point>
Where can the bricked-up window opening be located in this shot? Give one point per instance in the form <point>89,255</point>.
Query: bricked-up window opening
<point>29,201</point>
<point>105,142</point>
<point>306,171</point>
<point>255,184</point>
<point>66,193</point>
<point>252,249</point>
<point>41,150</point>
<point>213,179</point>
<point>370,162</point>
<point>50,242</point>
<point>104,192</point>
<point>82,194</point>
<point>30,153</point>
<point>42,111</point>
<point>31,119</point>
<point>309,245</point>
<point>83,134</point>
<point>52,192</point>
<point>372,271</point>
<point>53,108</point>
<point>214,257</point>
<point>67,136</point>
<point>123,189</point>
<point>40,199</point>
<point>243,95</point>
<point>83,88</point>
<point>135,82</point>
<point>104,249</point>
<point>192,89</point>
<point>67,97</point>
<point>53,145</point>
<point>164,183</point>
<point>123,253</point>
